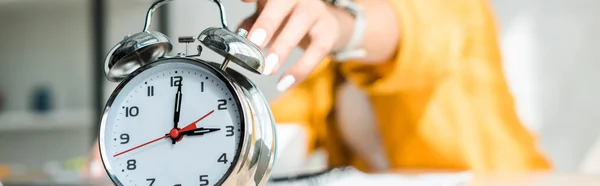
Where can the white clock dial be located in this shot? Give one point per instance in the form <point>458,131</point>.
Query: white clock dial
<point>138,131</point>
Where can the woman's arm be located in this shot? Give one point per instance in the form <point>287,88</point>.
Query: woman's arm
<point>320,29</point>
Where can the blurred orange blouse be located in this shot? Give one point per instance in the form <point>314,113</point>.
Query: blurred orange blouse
<point>442,103</point>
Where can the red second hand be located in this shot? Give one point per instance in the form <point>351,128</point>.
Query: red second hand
<point>126,151</point>
<point>192,125</point>
<point>189,127</point>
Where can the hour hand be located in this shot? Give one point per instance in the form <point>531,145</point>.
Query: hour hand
<point>200,131</point>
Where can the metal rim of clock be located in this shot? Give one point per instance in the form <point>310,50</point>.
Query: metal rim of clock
<point>256,149</point>
<point>147,46</point>
<point>243,137</point>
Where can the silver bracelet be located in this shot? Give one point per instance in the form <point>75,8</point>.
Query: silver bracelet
<point>351,49</point>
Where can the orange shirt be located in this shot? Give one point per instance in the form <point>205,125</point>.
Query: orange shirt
<point>442,103</point>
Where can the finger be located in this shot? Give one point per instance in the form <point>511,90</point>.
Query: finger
<point>96,169</point>
<point>269,20</point>
<point>260,5</point>
<point>302,19</point>
<point>248,1</point>
<point>247,23</point>
<point>312,57</point>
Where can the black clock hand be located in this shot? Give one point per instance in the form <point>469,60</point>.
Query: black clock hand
<point>177,109</point>
<point>200,131</point>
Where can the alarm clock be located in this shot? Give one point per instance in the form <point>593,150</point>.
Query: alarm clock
<point>181,120</point>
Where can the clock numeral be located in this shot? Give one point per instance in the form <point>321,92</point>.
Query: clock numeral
<point>229,130</point>
<point>131,165</point>
<point>150,91</point>
<point>204,180</point>
<point>132,111</point>
<point>124,138</point>
<point>176,81</point>
<point>202,86</point>
<point>223,158</point>
<point>151,180</point>
<point>222,104</point>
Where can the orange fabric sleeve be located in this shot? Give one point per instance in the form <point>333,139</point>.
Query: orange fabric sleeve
<point>446,89</point>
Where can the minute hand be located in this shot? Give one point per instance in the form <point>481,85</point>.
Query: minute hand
<point>177,110</point>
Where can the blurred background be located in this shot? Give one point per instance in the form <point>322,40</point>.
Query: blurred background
<point>52,84</point>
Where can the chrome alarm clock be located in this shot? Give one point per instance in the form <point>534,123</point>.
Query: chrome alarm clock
<point>181,120</point>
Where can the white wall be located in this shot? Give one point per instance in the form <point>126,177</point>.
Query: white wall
<point>44,43</point>
<point>552,60</point>
<point>51,42</point>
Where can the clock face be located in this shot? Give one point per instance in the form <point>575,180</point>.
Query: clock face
<point>176,123</point>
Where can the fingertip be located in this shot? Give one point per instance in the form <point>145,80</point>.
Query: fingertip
<point>285,82</point>
<point>95,169</point>
<point>258,36</point>
<point>271,62</point>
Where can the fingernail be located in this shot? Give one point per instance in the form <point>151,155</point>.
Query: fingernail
<point>95,169</point>
<point>270,63</point>
<point>258,36</point>
<point>285,83</point>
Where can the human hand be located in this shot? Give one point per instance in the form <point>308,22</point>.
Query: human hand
<point>282,25</point>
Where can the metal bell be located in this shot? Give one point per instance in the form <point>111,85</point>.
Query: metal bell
<point>234,47</point>
<point>135,51</point>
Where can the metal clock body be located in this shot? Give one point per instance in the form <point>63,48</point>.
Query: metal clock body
<point>181,120</point>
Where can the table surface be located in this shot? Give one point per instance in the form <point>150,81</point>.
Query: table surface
<point>529,179</point>
<point>536,179</point>
<point>523,179</point>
